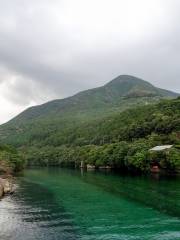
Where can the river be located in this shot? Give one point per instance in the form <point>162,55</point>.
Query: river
<point>62,204</point>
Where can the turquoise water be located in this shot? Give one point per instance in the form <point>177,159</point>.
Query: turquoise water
<point>63,204</point>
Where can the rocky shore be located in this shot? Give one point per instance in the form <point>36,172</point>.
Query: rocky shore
<point>6,186</point>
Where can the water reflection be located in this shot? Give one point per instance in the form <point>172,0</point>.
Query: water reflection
<point>160,192</point>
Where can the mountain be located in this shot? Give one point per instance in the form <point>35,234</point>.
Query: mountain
<point>37,123</point>
<point>118,94</point>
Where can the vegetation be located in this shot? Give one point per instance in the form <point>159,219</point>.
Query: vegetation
<point>56,120</point>
<point>122,141</point>
<point>99,127</point>
<point>10,160</point>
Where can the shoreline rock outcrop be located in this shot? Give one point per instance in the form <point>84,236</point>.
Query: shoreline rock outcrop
<point>6,186</point>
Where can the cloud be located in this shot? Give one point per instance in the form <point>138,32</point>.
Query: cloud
<point>53,49</point>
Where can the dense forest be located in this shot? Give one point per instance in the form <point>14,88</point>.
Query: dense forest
<point>10,160</point>
<point>114,126</point>
<point>121,140</point>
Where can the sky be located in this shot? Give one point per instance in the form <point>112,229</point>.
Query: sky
<point>54,49</point>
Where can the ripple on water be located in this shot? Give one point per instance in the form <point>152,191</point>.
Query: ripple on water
<point>63,205</point>
<point>31,215</point>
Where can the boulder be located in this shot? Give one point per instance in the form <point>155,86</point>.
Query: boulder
<point>91,167</point>
<point>5,186</point>
<point>1,190</point>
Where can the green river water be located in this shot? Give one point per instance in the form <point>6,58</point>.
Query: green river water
<point>62,204</point>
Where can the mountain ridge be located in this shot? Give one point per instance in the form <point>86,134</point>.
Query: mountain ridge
<point>60,116</point>
<point>113,94</point>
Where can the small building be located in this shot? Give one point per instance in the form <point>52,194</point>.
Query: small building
<point>161,148</point>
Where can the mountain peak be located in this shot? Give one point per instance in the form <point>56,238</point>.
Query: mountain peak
<point>120,93</point>
<point>127,79</point>
<point>130,86</point>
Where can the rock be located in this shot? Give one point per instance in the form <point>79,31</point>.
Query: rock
<point>1,190</point>
<point>91,167</point>
<point>5,186</point>
<point>105,167</point>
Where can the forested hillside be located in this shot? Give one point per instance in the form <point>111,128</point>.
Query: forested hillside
<point>55,119</point>
<point>122,140</point>
<point>114,125</point>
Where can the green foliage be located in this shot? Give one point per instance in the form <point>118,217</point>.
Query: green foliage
<point>172,159</point>
<point>54,123</point>
<point>123,141</point>
<point>10,159</point>
<point>114,125</point>
<point>138,156</point>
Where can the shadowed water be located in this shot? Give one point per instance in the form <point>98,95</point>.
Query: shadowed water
<point>68,204</point>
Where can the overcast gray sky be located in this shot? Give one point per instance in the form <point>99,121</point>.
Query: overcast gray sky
<point>53,49</point>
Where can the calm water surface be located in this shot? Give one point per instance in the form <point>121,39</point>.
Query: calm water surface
<point>63,204</point>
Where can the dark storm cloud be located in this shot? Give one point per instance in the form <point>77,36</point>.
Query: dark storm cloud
<point>52,49</point>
